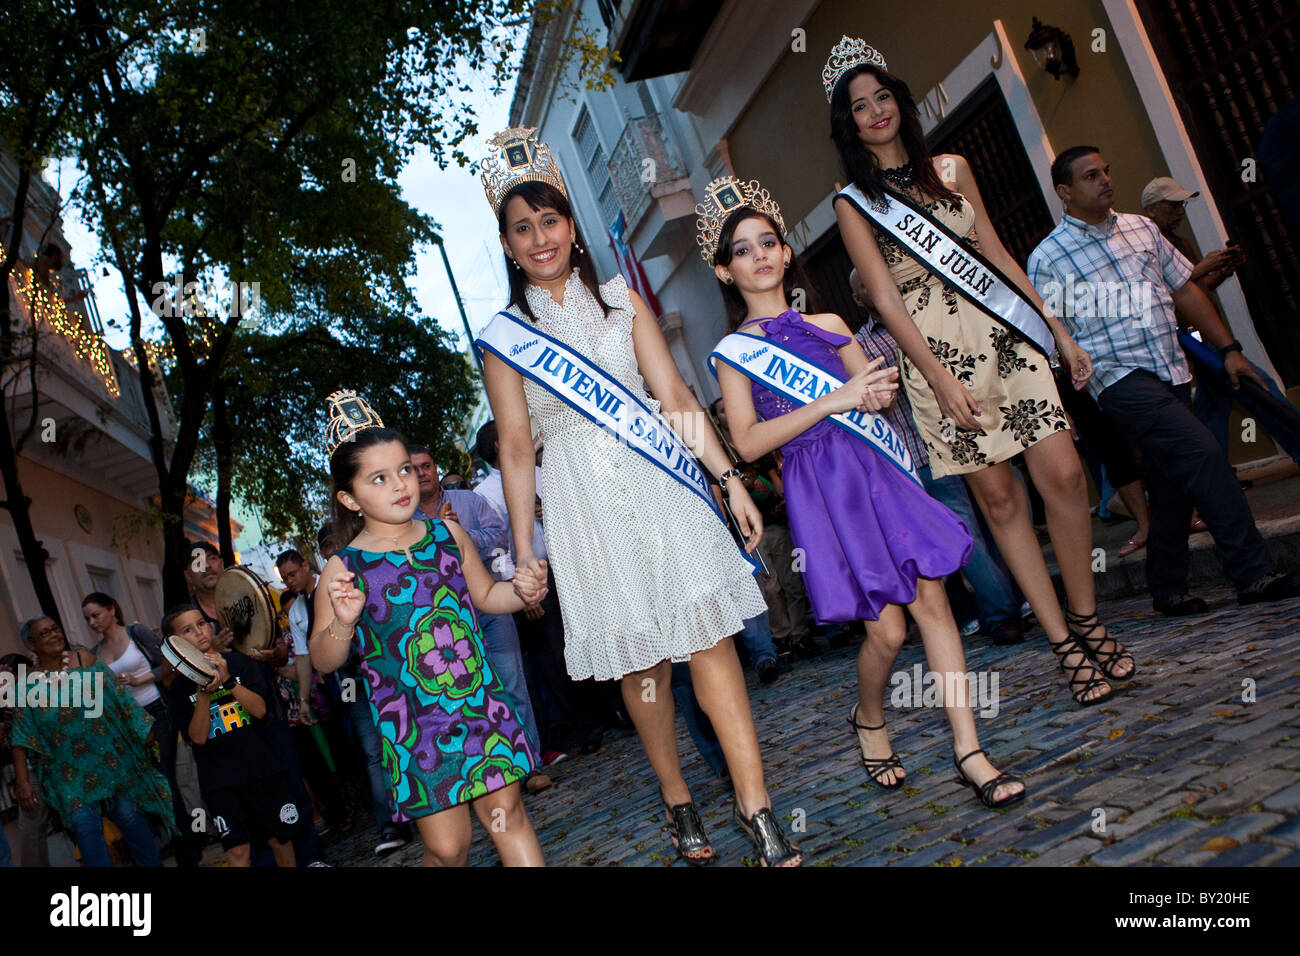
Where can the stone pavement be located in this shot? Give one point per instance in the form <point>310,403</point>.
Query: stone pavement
<point>1176,769</point>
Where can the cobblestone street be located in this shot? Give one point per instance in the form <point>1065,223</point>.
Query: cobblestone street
<point>1177,767</point>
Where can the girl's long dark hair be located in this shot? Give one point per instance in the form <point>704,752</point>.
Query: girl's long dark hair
<point>860,164</point>
<point>344,463</point>
<point>539,195</point>
<point>795,277</point>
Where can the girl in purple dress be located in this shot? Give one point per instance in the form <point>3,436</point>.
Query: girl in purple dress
<point>872,540</point>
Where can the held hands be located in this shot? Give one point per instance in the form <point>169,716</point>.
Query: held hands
<point>530,579</point>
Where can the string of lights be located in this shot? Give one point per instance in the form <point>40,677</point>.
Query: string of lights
<point>46,308</point>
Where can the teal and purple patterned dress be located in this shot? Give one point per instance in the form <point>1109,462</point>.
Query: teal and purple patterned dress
<point>450,731</point>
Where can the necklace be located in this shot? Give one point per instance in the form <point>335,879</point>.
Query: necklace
<point>900,177</point>
<point>405,548</point>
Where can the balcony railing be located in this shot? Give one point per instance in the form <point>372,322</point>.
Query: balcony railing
<point>642,160</point>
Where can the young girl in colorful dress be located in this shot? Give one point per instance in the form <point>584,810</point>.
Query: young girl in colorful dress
<point>874,541</point>
<point>645,571</point>
<point>410,594</point>
<point>980,393</point>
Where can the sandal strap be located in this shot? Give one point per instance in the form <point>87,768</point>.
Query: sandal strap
<point>689,828</point>
<point>1063,650</point>
<point>853,721</point>
<point>769,840</point>
<point>967,757</point>
<point>990,789</point>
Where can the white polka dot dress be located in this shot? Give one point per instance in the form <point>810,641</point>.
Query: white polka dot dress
<point>644,569</point>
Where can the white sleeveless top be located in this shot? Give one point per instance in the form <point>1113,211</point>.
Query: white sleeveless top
<point>135,663</point>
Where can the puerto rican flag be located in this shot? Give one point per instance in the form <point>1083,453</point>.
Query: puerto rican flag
<point>630,267</point>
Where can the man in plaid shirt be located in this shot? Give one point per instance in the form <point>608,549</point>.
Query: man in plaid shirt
<point>1116,283</point>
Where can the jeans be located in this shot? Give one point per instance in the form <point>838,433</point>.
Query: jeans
<point>757,636</point>
<point>87,828</point>
<point>1213,406</point>
<point>697,721</point>
<point>501,644</point>
<point>1185,468</point>
<point>187,847</point>
<point>994,593</point>
<point>367,734</point>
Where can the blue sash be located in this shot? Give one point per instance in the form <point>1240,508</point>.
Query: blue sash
<point>800,381</point>
<point>599,397</point>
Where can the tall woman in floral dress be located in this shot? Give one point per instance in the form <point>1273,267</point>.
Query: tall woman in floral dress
<point>980,394</point>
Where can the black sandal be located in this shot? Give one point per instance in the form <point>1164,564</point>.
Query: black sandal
<point>986,792</point>
<point>877,767</point>
<point>1106,660</point>
<point>687,833</point>
<point>772,846</point>
<point>1063,650</point>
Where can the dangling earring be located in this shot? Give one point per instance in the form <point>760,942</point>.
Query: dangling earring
<point>513,262</point>
<point>576,246</point>
<point>787,263</point>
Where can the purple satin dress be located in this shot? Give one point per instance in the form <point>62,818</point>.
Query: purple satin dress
<point>867,530</point>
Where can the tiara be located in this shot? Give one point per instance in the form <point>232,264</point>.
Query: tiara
<point>517,156</point>
<point>349,414</point>
<point>845,55</point>
<point>722,196</point>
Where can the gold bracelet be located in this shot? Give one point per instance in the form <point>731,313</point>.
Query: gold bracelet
<point>335,636</point>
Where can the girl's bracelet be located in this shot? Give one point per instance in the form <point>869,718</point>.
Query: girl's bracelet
<point>347,637</point>
<point>729,473</point>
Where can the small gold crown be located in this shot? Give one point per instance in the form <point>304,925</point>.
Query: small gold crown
<point>517,156</point>
<point>349,414</point>
<point>845,55</point>
<point>721,197</point>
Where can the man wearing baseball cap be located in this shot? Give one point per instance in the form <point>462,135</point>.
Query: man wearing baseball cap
<point>1163,200</point>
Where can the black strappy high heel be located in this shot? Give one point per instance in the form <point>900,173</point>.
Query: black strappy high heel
<point>772,846</point>
<point>687,832</point>
<point>1063,650</point>
<point>1106,660</point>
<point>987,792</point>
<point>877,767</point>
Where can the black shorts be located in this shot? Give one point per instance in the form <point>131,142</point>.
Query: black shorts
<point>254,812</point>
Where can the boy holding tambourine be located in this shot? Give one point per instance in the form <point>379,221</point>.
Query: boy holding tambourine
<point>242,780</point>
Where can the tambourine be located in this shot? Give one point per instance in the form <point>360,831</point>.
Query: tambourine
<point>188,660</point>
<point>244,605</point>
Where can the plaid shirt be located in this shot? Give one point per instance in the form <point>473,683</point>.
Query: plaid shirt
<point>878,343</point>
<point>1111,285</point>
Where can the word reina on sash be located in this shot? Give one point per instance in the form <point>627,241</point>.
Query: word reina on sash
<point>584,390</point>
<point>960,266</point>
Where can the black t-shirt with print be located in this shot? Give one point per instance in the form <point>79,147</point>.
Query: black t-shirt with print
<point>238,749</point>
<point>274,706</point>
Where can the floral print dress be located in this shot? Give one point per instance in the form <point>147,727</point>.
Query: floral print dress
<point>1011,380</point>
<point>450,731</point>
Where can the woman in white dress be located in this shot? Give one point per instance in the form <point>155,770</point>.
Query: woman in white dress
<point>645,571</point>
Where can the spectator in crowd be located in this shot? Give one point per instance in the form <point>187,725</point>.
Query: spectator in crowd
<point>568,711</point>
<point>134,654</point>
<point>31,832</point>
<point>243,781</point>
<point>202,572</point>
<point>90,751</point>
<point>787,603</point>
<point>454,482</point>
<point>1141,380</point>
<point>1163,201</point>
<point>316,731</point>
<point>995,595</point>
